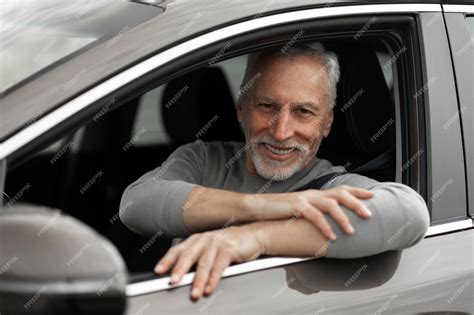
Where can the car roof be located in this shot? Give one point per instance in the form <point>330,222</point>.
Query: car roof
<point>27,102</point>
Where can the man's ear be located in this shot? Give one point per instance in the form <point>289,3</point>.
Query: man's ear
<point>328,123</point>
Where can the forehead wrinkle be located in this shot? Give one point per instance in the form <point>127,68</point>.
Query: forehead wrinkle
<point>265,98</point>
<point>270,100</point>
<point>307,104</point>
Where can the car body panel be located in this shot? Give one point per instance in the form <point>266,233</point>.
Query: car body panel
<point>419,279</point>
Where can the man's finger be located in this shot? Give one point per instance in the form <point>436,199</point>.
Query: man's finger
<point>204,266</point>
<point>360,193</point>
<point>168,260</point>
<point>188,258</point>
<point>331,206</point>
<point>223,260</point>
<point>315,216</point>
<point>351,202</point>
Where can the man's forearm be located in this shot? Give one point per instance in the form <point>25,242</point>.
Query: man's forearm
<point>209,209</point>
<point>178,208</point>
<point>292,237</point>
<point>400,220</point>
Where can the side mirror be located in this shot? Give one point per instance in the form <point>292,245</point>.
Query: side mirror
<point>51,263</point>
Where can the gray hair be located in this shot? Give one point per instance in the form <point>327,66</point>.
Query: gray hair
<point>313,49</point>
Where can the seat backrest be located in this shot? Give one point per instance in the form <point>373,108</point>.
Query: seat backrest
<point>364,115</point>
<point>96,149</point>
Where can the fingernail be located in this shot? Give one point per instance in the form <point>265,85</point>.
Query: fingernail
<point>159,268</point>
<point>333,236</point>
<point>350,229</point>
<point>174,278</point>
<point>369,213</point>
<point>195,292</point>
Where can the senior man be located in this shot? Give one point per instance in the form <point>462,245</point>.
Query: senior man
<point>240,200</point>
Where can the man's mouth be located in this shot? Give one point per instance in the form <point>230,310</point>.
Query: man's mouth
<point>280,153</point>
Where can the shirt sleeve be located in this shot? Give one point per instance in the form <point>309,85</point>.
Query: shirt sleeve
<point>154,202</point>
<point>400,219</point>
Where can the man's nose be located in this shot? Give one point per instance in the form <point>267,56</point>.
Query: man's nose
<point>282,127</point>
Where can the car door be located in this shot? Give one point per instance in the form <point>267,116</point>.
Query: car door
<point>434,276</point>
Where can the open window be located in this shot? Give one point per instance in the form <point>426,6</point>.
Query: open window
<point>87,168</point>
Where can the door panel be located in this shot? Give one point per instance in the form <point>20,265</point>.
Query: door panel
<point>434,276</point>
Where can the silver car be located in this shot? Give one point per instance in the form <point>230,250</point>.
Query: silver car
<point>93,94</point>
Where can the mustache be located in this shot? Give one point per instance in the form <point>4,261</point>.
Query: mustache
<point>293,144</point>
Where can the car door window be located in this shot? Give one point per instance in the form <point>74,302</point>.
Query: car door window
<point>149,118</point>
<point>470,23</point>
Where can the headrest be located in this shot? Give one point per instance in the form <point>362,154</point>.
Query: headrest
<point>199,105</point>
<point>110,128</point>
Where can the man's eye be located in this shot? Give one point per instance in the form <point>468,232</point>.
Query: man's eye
<point>266,106</point>
<point>304,111</point>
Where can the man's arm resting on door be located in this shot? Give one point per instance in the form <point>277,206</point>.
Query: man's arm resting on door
<point>400,220</point>
<point>171,200</point>
<point>177,208</point>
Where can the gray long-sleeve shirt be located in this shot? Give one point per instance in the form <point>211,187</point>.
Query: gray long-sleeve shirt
<point>154,203</point>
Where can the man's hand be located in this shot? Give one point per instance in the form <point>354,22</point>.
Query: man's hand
<point>311,204</point>
<point>213,252</point>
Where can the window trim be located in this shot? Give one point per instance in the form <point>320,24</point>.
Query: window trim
<point>469,146</point>
<point>458,8</point>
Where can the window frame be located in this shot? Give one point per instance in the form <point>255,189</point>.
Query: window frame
<point>188,63</point>
<point>446,196</point>
<point>459,35</point>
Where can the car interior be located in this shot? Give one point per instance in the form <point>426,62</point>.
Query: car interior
<point>99,148</point>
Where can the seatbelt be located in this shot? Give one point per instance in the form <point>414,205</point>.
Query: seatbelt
<point>379,162</point>
<point>3,176</point>
<point>320,181</point>
<point>372,165</point>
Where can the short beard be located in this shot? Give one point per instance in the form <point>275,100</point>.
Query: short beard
<point>278,170</point>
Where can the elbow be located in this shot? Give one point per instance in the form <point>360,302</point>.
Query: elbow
<point>129,213</point>
<point>418,219</point>
<point>400,220</point>
<point>148,208</point>
<point>124,210</point>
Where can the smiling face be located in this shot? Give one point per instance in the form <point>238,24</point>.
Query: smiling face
<point>285,115</point>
